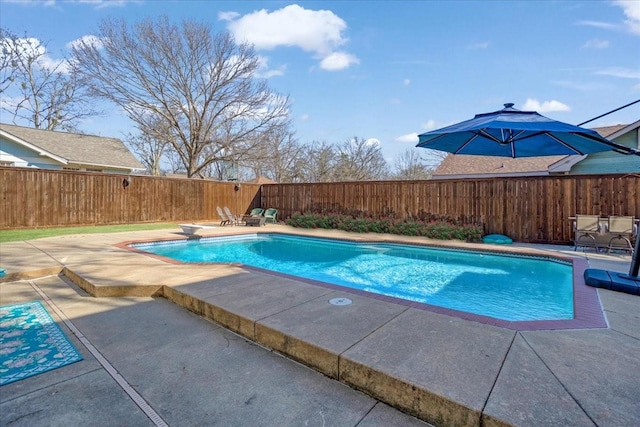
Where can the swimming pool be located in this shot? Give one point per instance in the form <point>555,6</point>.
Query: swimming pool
<point>511,288</point>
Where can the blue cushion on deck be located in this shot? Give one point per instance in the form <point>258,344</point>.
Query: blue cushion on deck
<point>612,280</point>
<point>497,239</point>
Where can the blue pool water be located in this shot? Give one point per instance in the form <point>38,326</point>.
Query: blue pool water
<point>504,287</point>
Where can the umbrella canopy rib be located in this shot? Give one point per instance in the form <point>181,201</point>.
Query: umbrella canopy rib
<point>561,142</point>
<point>469,141</point>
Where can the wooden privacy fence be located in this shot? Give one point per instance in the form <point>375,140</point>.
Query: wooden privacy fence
<point>527,209</point>
<point>34,198</point>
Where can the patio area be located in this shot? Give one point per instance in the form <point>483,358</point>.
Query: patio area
<point>186,370</point>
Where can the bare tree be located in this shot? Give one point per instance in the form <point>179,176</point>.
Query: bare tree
<point>174,163</point>
<point>8,61</point>
<point>318,164</point>
<point>360,160</point>
<point>356,159</point>
<point>288,153</point>
<point>432,158</point>
<point>149,150</point>
<point>203,86</point>
<point>277,156</point>
<point>410,165</point>
<point>46,93</point>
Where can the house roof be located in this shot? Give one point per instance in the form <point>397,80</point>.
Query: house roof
<point>482,165</point>
<point>262,180</point>
<point>466,166</point>
<point>607,131</point>
<point>74,147</point>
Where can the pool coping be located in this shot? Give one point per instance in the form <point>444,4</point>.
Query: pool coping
<point>588,312</point>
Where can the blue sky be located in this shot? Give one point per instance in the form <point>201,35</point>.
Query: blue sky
<point>389,70</point>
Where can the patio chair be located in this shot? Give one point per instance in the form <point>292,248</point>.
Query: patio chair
<point>622,227</point>
<point>233,220</point>
<point>270,215</point>
<point>224,219</point>
<point>254,215</point>
<point>587,228</point>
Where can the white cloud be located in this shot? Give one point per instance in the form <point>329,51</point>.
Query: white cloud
<point>23,46</point>
<point>624,73</point>
<point>585,87</point>
<point>99,4</point>
<point>406,82</point>
<point>596,44</point>
<point>338,61</point>
<point>373,141</point>
<point>544,107</point>
<point>33,48</point>
<point>598,24</point>
<point>57,65</point>
<point>265,72</point>
<point>47,3</point>
<point>228,16</point>
<point>429,125</point>
<point>631,10</point>
<point>410,137</point>
<point>88,39</point>
<point>304,117</point>
<point>479,45</point>
<point>316,31</point>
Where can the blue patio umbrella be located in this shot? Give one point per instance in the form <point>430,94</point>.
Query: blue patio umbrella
<point>514,133</point>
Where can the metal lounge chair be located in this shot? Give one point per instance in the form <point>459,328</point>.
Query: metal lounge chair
<point>587,228</point>
<point>621,227</point>
<point>224,219</point>
<point>270,215</point>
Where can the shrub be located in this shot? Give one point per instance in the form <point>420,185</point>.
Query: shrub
<point>427,225</point>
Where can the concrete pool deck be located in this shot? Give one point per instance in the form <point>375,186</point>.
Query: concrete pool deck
<point>440,368</point>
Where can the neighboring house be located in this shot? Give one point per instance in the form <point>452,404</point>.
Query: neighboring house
<point>45,149</point>
<point>262,180</point>
<point>609,162</point>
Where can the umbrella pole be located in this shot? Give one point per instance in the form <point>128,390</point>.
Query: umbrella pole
<point>635,260</point>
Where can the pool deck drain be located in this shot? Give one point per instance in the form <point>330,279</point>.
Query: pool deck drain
<point>340,301</point>
<point>444,369</point>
